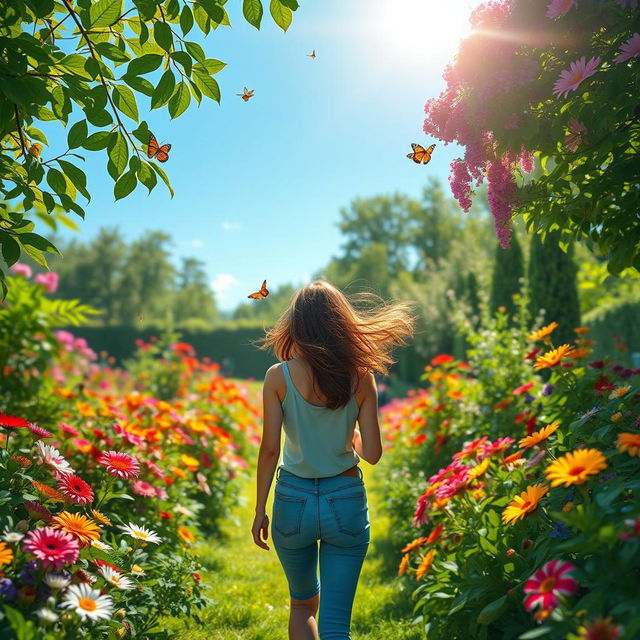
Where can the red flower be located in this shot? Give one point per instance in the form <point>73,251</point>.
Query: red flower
<point>165,515</point>
<point>501,404</point>
<point>520,390</point>
<point>532,354</point>
<point>531,425</point>
<point>12,422</point>
<point>434,535</point>
<point>443,358</point>
<point>603,385</point>
<point>549,582</point>
<point>420,439</point>
<point>196,577</point>
<point>75,488</point>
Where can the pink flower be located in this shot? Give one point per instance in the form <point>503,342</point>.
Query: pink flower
<point>570,79</point>
<point>36,510</point>
<point>143,488</point>
<point>48,280</point>
<point>51,546</point>
<point>120,464</point>
<point>21,269</point>
<point>630,49</point>
<point>75,488</point>
<point>69,429</point>
<point>38,431</point>
<point>558,8</point>
<point>549,582</point>
<point>574,138</point>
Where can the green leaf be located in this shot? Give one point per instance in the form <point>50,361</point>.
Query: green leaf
<point>213,66</point>
<point>202,19</point>
<point>292,4</point>
<point>119,153</point>
<point>40,243</point>
<point>144,64</point>
<point>141,85</point>
<point>110,51</point>
<point>104,12</point>
<point>252,10</point>
<point>492,611</point>
<point>207,85</point>
<point>186,20</point>
<point>147,176</point>
<point>125,185</point>
<point>56,181</point>
<point>184,59</point>
<point>76,176</point>
<point>77,134</point>
<point>125,101</point>
<point>195,51</point>
<point>535,633</point>
<point>179,100</point>
<point>10,249</point>
<point>281,14</point>
<point>164,90</point>
<point>97,141</point>
<point>162,175</point>
<point>213,10</point>
<point>162,35</point>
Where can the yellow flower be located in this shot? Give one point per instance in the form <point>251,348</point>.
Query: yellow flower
<point>190,462</point>
<point>404,564</point>
<point>538,436</point>
<point>479,469</point>
<point>526,502</point>
<point>575,467</point>
<point>6,554</point>
<point>78,525</point>
<point>553,357</point>
<point>619,392</point>
<point>567,507</point>
<point>100,517</point>
<point>616,416</point>
<point>186,535</point>
<point>543,333</point>
<point>629,442</point>
<point>425,564</point>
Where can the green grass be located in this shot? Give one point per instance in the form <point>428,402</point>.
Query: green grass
<point>249,591</point>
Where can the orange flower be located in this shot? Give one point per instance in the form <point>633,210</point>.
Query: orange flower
<point>629,442</point>
<point>542,334</point>
<point>47,492</point>
<point>514,458</point>
<point>538,436</point>
<point>553,357</point>
<point>414,544</point>
<point>526,502</point>
<point>78,525</point>
<point>186,535</point>
<point>100,517</point>
<point>581,352</point>
<point>581,329</point>
<point>6,554</point>
<point>575,467</point>
<point>404,564</point>
<point>425,564</point>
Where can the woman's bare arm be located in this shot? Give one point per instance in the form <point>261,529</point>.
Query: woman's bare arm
<point>367,440</point>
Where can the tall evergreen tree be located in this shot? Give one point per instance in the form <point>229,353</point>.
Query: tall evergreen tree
<point>553,285</point>
<point>507,273</point>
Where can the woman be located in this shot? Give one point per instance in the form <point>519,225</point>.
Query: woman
<point>324,384</point>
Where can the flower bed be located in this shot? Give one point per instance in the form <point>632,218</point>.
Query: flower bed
<point>514,484</point>
<point>106,487</point>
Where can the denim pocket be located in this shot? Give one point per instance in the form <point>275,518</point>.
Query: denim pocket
<point>287,514</point>
<point>350,513</point>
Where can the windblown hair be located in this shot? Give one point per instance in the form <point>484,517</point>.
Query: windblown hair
<point>340,339</point>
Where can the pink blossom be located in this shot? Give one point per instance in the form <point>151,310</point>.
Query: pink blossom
<point>573,139</point>
<point>460,182</point>
<point>49,281</point>
<point>570,79</point>
<point>500,195</point>
<point>21,269</point>
<point>527,160</point>
<point>630,49</point>
<point>143,488</point>
<point>558,8</point>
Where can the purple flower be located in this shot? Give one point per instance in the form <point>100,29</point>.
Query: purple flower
<point>26,575</point>
<point>547,389</point>
<point>8,590</point>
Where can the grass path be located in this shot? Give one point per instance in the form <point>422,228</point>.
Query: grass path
<point>249,589</point>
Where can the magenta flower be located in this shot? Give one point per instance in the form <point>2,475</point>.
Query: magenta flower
<point>49,281</point>
<point>38,431</point>
<point>558,8</point>
<point>120,464</point>
<point>75,489</point>
<point>51,546</point>
<point>570,79</point>
<point>547,583</point>
<point>630,49</point>
<point>574,137</point>
<point>21,269</point>
<point>143,488</point>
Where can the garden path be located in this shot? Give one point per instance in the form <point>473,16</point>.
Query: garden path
<point>248,588</point>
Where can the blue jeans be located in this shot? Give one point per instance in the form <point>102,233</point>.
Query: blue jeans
<point>335,512</point>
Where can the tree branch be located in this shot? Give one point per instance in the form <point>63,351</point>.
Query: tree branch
<point>19,126</point>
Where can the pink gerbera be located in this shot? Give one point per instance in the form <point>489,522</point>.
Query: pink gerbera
<point>570,79</point>
<point>120,464</point>
<point>52,547</point>
<point>630,49</point>
<point>549,582</point>
<point>75,488</point>
<point>143,488</point>
<point>558,8</point>
<point>38,431</point>
<point>36,510</point>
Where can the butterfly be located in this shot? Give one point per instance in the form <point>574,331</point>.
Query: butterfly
<point>420,154</point>
<point>160,153</point>
<point>312,54</point>
<point>246,95</point>
<point>263,293</point>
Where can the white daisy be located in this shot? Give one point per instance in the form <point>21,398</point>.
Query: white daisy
<point>100,545</point>
<point>12,537</point>
<point>116,578</point>
<point>87,602</point>
<point>46,615</point>
<point>51,456</point>
<point>137,571</point>
<point>141,533</point>
<point>57,580</point>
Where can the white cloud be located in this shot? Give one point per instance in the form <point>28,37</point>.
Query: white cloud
<point>230,226</point>
<point>198,244</point>
<point>222,284</point>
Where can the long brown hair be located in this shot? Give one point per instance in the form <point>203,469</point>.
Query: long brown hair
<point>340,339</point>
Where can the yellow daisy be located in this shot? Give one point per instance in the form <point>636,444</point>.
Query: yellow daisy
<point>575,467</point>
<point>553,357</point>
<point>629,442</point>
<point>538,436</point>
<point>526,502</point>
<point>542,334</point>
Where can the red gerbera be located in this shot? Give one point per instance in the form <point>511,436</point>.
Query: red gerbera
<point>12,422</point>
<point>75,488</point>
<point>549,582</point>
<point>120,464</point>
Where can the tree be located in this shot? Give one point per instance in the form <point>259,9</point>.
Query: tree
<point>193,298</point>
<point>515,105</point>
<point>508,271</point>
<point>85,65</point>
<point>553,285</point>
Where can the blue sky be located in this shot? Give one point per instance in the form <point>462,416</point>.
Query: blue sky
<point>259,185</point>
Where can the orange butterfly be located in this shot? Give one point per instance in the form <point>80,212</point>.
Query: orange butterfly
<point>263,293</point>
<point>246,95</point>
<point>312,54</point>
<point>420,154</point>
<point>161,153</point>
